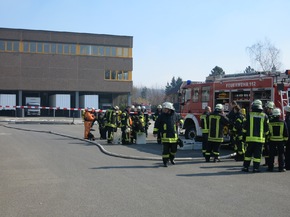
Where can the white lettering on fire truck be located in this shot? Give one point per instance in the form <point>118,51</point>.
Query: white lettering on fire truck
<point>241,84</point>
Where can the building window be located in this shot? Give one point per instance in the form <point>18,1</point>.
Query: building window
<point>59,48</point>
<point>117,75</point>
<point>39,48</point>
<point>66,49</point>
<point>2,45</point>
<point>107,74</point>
<point>120,75</point>
<point>113,51</point>
<point>126,75</point>
<point>32,47</point>
<point>62,48</point>
<point>9,46</point>
<point>125,52</point>
<point>113,75</point>
<point>73,49</point>
<point>16,46</point>
<point>46,48</point>
<point>108,51</point>
<point>26,47</point>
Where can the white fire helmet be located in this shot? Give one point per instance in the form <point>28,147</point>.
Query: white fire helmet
<point>159,106</point>
<point>276,112</point>
<point>219,107</point>
<point>168,105</point>
<point>287,108</point>
<point>270,105</point>
<point>257,104</point>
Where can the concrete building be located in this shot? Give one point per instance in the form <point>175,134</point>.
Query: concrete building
<point>36,63</point>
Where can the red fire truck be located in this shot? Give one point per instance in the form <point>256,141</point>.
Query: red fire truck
<point>242,88</point>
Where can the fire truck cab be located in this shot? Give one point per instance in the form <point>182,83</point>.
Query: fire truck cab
<point>242,88</point>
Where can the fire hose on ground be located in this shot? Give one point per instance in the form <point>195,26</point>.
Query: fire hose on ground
<point>103,150</point>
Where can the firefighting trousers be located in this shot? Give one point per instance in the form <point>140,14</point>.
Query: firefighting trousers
<point>110,131</point>
<point>126,137</point>
<point>287,156</point>
<point>169,151</point>
<point>213,148</point>
<point>87,125</point>
<point>276,148</point>
<point>204,143</point>
<point>254,150</point>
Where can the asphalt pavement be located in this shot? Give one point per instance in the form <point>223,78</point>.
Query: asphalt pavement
<point>73,127</point>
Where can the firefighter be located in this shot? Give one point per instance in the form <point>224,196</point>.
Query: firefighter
<point>238,133</point>
<point>138,125</point>
<point>155,116</point>
<point>287,151</point>
<point>268,111</point>
<point>255,130</point>
<point>216,122</point>
<point>88,119</point>
<point>126,125</point>
<point>204,128</point>
<point>146,119</point>
<point>278,135</point>
<point>157,112</point>
<point>102,124</point>
<point>111,123</point>
<point>232,116</point>
<point>166,124</point>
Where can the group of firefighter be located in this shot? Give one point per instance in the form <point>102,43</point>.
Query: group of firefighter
<point>256,134</point>
<point>132,120</point>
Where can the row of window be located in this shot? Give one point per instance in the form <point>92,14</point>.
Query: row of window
<point>64,49</point>
<point>194,94</point>
<point>118,75</point>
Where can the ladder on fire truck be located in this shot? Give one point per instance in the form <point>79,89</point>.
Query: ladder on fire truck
<point>284,99</point>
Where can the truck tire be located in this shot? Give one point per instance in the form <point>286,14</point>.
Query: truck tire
<point>190,132</point>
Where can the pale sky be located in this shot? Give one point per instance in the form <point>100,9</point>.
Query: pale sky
<point>180,38</point>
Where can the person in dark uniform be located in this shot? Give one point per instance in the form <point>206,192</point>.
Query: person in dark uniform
<point>155,116</point>
<point>268,111</point>
<point>238,134</point>
<point>126,125</point>
<point>287,151</point>
<point>101,122</point>
<point>204,128</point>
<point>166,124</point>
<point>216,122</point>
<point>255,130</point>
<point>278,135</point>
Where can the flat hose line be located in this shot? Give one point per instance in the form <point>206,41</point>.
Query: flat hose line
<point>103,150</point>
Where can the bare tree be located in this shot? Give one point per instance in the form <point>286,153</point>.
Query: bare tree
<point>265,54</point>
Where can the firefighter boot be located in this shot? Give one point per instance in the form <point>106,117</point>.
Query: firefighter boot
<point>171,158</point>
<point>165,160</point>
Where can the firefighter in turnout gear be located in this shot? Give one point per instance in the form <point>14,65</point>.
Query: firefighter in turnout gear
<point>88,120</point>
<point>204,128</point>
<point>111,123</point>
<point>268,111</point>
<point>238,134</point>
<point>277,138</point>
<point>138,125</point>
<point>255,130</point>
<point>287,152</point>
<point>155,116</point>
<point>166,124</point>
<point>126,125</point>
<point>101,122</point>
<point>216,122</point>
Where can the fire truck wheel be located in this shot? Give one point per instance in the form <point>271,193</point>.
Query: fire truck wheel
<point>190,133</point>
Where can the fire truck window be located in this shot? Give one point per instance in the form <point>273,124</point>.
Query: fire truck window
<point>195,94</point>
<point>205,94</point>
<point>187,95</point>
